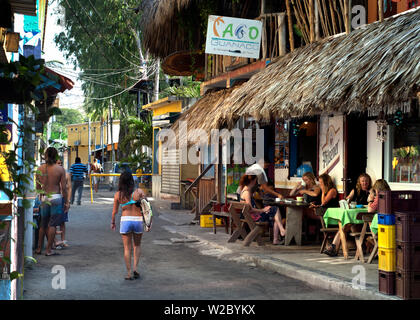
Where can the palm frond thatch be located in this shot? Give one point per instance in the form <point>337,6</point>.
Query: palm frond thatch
<point>373,68</point>
<point>162,32</point>
<point>205,114</point>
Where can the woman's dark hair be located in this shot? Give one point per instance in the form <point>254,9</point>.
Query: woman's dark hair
<point>51,155</point>
<point>326,179</point>
<point>126,185</point>
<point>246,180</point>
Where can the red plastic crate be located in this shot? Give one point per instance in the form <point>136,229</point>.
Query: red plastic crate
<point>408,256</point>
<point>407,226</point>
<point>387,282</point>
<point>407,285</point>
<point>392,201</point>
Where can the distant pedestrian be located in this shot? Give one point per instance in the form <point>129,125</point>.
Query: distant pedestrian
<point>95,168</point>
<point>63,242</point>
<point>77,172</point>
<point>51,181</point>
<point>131,225</point>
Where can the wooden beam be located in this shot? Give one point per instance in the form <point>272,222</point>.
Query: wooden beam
<point>381,10</point>
<point>289,19</point>
<point>311,21</point>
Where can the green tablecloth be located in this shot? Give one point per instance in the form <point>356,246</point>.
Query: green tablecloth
<point>374,225</point>
<point>346,216</point>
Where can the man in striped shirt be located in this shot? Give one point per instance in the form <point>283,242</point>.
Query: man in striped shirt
<point>77,171</point>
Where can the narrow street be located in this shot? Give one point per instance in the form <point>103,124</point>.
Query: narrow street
<point>94,267</point>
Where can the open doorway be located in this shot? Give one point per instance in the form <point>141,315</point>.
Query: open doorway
<point>355,150</point>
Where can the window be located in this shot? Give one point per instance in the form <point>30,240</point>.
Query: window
<point>402,152</point>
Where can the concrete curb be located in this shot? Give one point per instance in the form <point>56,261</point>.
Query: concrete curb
<point>293,271</point>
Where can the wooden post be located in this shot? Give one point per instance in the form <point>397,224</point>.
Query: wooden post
<point>290,23</point>
<point>381,10</point>
<point>262,7</point>
<point>317,34</point>
<point>346,16</point>
<point>282,34</point>
<point>311,21</point>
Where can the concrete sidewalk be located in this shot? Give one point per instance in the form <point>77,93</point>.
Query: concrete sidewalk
<point>303,263</point>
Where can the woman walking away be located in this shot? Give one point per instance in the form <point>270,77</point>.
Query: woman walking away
<point>131,226</point>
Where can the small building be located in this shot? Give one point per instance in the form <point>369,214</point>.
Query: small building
<point>169,177</point>
<point>78,140</point>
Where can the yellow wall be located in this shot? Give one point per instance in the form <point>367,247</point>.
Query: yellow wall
<point>162,106</point>
<point>80,132</point>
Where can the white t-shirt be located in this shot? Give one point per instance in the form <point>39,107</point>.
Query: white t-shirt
<point>257,170</point>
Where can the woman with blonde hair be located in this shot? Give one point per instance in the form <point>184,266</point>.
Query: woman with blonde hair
<point>308,188</point>
<point>360,194</point>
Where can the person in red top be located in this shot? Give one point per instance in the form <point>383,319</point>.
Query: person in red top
<point>373,199</point>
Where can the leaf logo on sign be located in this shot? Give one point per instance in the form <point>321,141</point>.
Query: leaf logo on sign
<point>216,23</point>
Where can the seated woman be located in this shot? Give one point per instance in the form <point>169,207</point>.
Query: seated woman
<point>308,188</point>
<point>373,199</point>
<point>267,214</point>
<point>329,193</point>
<point>361,192</point>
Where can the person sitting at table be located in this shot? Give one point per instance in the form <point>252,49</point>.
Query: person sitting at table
<point>308,188</point>
<point>267,214</point>
<point>373,199</point>
<point>329,193</point>
<point>361,192</point>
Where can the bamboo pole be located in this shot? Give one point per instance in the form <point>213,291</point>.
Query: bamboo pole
<point>381,10</point>
<point>316,9</point>
<point>311,21</point>
<point>289,19</point>
<point>346,15</point>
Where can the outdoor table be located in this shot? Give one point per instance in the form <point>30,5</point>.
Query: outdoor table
<point>294,215</point>
<point>343,217</point>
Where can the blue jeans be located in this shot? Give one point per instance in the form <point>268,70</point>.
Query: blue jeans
<point>76,185</point>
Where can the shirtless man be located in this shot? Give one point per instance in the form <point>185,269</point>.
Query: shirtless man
<point>95,168</point>
<point>52,181</point>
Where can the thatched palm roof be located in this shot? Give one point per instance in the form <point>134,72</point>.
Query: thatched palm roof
<point>205,114</point>
<point>375,67</point>
<point>164,29</point>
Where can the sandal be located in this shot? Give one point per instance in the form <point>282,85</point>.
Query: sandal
<point>136,275</point>
<point>331,251</point>
<point>52,254</point>
<point>128,278</point>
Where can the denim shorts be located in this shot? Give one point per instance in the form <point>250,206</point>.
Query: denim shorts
<point>131,224</point>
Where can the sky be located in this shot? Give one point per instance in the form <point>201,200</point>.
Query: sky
<point>70,98</point>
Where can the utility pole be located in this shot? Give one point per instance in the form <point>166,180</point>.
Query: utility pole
<point>156,86</point>
<point>89,160</point>
<point>112,134</point>
<point>102,141</point>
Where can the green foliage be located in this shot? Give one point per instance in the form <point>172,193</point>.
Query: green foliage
<point>140,133</point>
<point>101,35</point>
<point>65,118</point>
<point>190,89</point>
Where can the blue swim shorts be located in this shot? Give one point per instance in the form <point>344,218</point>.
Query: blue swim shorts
<point>52,214</point>
<point>131,224</point>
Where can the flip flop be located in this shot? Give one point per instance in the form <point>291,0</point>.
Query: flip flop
<point>128,278</point>
<point>37,252</point>
<point>52,254</point>
<point>136,275</point>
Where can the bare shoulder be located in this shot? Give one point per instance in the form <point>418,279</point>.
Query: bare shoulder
<point>117,196</point>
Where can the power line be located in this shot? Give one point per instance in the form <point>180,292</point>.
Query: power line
<point>87,32</point>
